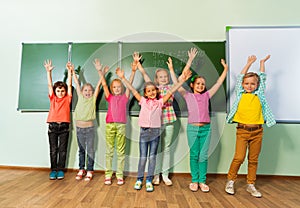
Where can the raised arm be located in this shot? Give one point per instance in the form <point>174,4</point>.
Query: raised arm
<point>133,70</point>
<point>136,58</point>
<point>70,68</point>
<point>48,66</point>
<point>183,77</point>
<point>135,93</point>
<point>101,74</point>
<point>262,63</point>
<point>171,69</point>
<point>250,61</point>
<point>78,88</point>
<point>220,81</point>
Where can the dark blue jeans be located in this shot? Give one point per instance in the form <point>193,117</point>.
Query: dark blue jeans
<point>85,139</point>
<point>58,140</point>
<point>149,140</point>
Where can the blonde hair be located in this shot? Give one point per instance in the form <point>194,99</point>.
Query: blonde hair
<point>251,74</point>
<point>87,85</point>
<point>111,85</point>
<point>159,70</point>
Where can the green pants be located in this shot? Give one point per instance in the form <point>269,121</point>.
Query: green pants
<point>164,150</point>
<point>115,138</point>
<point>198,140</point>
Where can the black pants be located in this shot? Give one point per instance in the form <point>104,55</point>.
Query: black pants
<point>58,140</point>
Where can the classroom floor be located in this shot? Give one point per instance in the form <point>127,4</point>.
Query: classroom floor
<point>32,188</point>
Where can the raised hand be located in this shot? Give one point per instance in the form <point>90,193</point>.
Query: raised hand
<point>251,59</point>
<point>120,73</point>
<point>70,66</point>
<point>192,53</point>
<point>136,57</point>
<point>170,63</point>
<point>48,65</point>
<point>265,59</point>
<point>97,64</point>
<point>224,64</point>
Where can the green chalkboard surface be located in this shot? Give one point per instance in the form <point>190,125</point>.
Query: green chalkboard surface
<point>33,93</point>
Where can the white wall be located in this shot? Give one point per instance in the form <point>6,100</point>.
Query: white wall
<point>23,136</point>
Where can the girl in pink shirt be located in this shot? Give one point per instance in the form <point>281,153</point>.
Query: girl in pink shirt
<point>150,123</point>
<point>116,119</point>
<point>198,129</point>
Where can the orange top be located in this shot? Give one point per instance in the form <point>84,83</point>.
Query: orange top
<point>59,109</point>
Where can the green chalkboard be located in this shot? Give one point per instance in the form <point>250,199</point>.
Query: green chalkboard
<point>33,93</point>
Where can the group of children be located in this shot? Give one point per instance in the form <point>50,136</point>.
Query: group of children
<point>156,121</point>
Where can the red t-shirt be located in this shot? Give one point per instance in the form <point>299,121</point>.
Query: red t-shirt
<point>59,109</point>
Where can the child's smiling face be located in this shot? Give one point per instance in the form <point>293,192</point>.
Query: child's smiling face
<point>162,77</point>
<point>117,88</point>
<point>151,92</point>
<point>87,91</point>
<point>198,85</point>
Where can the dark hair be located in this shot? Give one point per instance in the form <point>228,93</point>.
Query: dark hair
<point>252,74</point>
<point>194,78</point>
<point>60,84</point>
<point>151,84</point>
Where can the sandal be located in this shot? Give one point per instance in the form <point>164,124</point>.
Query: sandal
<point>193,186</point>
<point>89,176</point>
<point>81,173</point>
<point>120,181</point>
<point>204,187</point>
<point>107,181</point>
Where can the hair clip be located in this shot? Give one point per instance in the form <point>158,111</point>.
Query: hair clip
<point>194,77</point>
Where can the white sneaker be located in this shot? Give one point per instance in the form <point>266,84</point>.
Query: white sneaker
<point>155,180</point>
<point>229,188</point>
<point>252,190</point>
<point>166,180</point>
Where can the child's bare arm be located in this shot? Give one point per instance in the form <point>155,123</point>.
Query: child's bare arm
<point>136,58</point>
<point>48,66</point>
<point>183,77</point>
<point>133,70</point>
<point>171,69</point>
<point>70,68</point>
<point>78,89</point>
<point>262,63</point>
<point>250,61</point>
<point>220,81</point>
<point>98,67</point>
<point>135,93</point>
<point>102,80</point>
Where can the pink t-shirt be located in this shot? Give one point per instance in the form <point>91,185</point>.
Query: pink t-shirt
<point>197,105</point>
<point>150,113</point>
<point>117,108</point>
<point>59,109</point>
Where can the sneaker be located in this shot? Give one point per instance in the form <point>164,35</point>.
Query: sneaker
<point>81,173</point>
<point>155,180</point>
<point>138,185</point>
<point>53,175</point>
<point>167,181</point>
<point>149,186</point>
<point>252,190</point>
<point>229,188</point>
<point>120,181</point>
<point>60,174</point>
<point>107,181</point>
<point>89,176</point>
